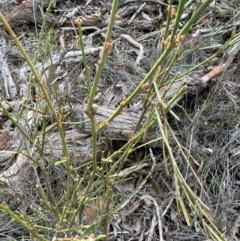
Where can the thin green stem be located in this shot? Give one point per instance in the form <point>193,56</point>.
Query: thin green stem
<point>49,103</point>
<point>102,58</point>
<point>43,197</point>
<point>23,132</point>
<point>38,79</point>
<point>194,17</point>
<point>180,10</point>
<point>18,219</point>
<point>168,20</point>
<point>46,182</point>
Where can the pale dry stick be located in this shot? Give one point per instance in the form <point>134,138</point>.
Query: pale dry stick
<point>136,44</point>
<point>152,228</point>
<point>35,19</point>
<point>3,33</point>
<point>141,236</point>
<point>72,13</point>
<point>204,31</point>
<point>155,202</point>
<point>168,206</point>
<point>135,14</point>
<point>54,2</point>
<point>87,3</point>
<point>10,176</point>
<point>157,213</point>
<point>100,31</point>
<point>62,42</point>
<point>146,17</point>
<point>148,35</point>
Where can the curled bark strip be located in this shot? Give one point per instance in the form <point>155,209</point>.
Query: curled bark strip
<point>79,53</point>
<point>17,172</point>
<point>216,71</point>
<point>9,85</point>
<point>227,60</point>
<point>136,44</point>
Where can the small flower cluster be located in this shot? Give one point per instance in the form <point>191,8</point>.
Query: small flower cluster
<point>145,86</point>
<point>78,22</point>
<point>104,123</point>
<point>176,40</point>
<point>172,13</point>
<point>109,46</point>
<point>40,95</point>
<point>78,38</point>
<point>63,114</point>
<point>123,101</point>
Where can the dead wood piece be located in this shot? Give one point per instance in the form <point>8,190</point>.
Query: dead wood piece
<point>79,146</point>
<point>94,20</point>
<point>17,172</point>
<point>79,142</point>
<point>29,12</point>
<point>121,128</point>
